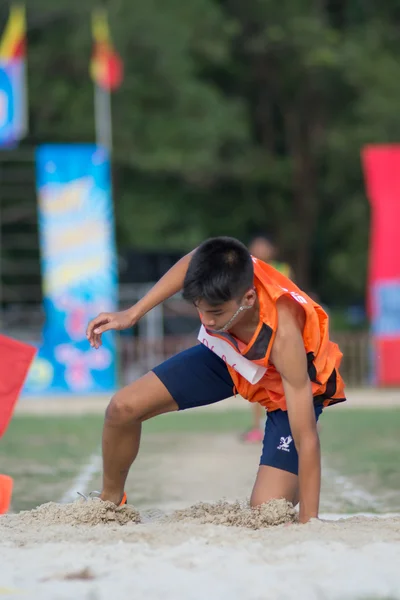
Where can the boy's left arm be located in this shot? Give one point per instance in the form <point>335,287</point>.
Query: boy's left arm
<point>289,358</point>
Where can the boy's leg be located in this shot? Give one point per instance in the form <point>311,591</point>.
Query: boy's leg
<point>192,378</point>
<point>129,407</point>
<point>277,475</point>
<point>274,483</point>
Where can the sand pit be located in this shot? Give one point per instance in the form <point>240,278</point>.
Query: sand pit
<point>220,550</point>
<point>183,550</point>
<point>93,512</point>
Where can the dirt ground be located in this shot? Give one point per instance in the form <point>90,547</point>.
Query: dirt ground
<point>172,472</point>
<point>363,398</point>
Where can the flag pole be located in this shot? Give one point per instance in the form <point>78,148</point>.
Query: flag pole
<point>106,71</point>
<point>103,117</point>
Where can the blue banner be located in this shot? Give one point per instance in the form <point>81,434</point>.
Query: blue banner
<point>79,269</point>
<point>386,320</point>
<point>13,117</point>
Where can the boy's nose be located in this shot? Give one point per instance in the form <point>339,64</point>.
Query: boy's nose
<point>207,322</point>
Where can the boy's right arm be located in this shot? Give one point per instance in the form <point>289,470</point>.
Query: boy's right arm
<point>167,286</point>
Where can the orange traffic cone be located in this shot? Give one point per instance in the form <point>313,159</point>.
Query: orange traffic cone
<point>6,486</point>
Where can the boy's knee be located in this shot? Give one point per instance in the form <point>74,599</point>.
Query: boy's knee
<point>122,409</point>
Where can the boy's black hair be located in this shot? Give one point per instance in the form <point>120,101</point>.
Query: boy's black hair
<point>221,269</point>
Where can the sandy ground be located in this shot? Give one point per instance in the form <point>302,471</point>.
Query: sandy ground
<point>364,398</point>
<point>55,554</point>
<point>348,559</point>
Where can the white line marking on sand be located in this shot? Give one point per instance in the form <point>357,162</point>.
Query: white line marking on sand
<point>83,479</point>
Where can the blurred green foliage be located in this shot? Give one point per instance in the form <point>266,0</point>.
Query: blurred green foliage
<point>234,116</point>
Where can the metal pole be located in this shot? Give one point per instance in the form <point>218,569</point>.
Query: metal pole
<point>103,117</point>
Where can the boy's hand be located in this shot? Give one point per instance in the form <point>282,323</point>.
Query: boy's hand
<point>107,321</point>
<point>169,284</point>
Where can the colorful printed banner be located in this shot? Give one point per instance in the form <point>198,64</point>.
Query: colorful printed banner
<point>13,93</point>
<point>13,119</point>
<point>78,268</point>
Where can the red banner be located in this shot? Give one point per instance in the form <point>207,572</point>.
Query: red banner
<point>382,176</point>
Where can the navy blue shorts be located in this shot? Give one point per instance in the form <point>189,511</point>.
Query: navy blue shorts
<point>197,377</point>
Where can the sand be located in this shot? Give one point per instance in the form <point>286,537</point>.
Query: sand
<point>238,514</point>
<point>82,512</point>
<point>95,551</point>
<point>94,512</point>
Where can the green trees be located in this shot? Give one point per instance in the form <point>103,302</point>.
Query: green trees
<point>234,115</point>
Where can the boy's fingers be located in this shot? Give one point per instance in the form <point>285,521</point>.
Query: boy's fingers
<point>105,327</point>
<point>94,323</point>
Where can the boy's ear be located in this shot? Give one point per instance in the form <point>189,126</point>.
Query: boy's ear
<point>250,297</point>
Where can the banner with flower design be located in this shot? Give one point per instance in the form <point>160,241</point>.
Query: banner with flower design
<point>79,269</point>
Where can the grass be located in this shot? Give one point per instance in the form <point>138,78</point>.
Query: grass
<point>365,446</point>
<point>44,454</point>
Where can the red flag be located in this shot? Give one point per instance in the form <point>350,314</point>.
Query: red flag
<point>15,360</point>
<point>106,67</point>
<point>12,44</point>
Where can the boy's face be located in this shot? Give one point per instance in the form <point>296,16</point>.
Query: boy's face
<point>222,317</point>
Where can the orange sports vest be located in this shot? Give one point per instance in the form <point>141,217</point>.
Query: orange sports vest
<point>323,355</point>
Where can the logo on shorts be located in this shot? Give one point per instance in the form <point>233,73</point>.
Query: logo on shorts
<point>284,443</point>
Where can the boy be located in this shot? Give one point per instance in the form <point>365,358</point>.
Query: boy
<point>274,349</point>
